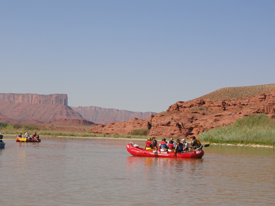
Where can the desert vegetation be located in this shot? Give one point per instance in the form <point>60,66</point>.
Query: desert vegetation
<point>140,132</point>
<point>237,92</point>
<point>253,129</point>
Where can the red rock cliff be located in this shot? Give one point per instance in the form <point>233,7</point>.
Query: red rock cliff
<point>185,119</point>
<point>37,107</point>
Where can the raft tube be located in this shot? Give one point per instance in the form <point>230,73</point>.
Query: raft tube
<point>22,139</point>
<point>137,151</point>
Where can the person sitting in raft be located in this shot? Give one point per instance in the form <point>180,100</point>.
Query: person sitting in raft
<point>20,135</point>
<point>148,144</point>
<point>171,139</point>
<point>37,138</point>
<point>179,146</point>
<point>171,147</point>
<point>195,143</point>
<point>185,145</point>
<point>163,145</point>
<point>154,143</point>
<point>1,137</point>
<point>34,135</point>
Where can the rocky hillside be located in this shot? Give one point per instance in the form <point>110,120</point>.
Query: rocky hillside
<point>42,108</point>
<point>184,119</point>
<point>106,116</point>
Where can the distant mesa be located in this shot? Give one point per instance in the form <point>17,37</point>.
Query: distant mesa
<point>42,109</point>
<point>72,122</point>
<point>37,107</point>
<point>106,115</point>
<point>185,119</point>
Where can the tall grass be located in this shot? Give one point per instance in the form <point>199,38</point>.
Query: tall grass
<point>140,132</point>
<point>253,129</point>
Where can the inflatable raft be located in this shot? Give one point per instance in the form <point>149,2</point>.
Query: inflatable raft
<point>137,151</point>
<point>23,139</point>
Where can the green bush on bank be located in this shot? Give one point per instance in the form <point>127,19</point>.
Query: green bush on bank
<point>253,129</point>
<point>140,132</point>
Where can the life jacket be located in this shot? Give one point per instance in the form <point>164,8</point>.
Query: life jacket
<point>180,147</point>
<point>198,142</point>
<point>148,144</point>
<point>171,146</point>
<point>154,143</point>
<point>162,144</point>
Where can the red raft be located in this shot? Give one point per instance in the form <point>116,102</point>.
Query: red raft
<point>137,151</point>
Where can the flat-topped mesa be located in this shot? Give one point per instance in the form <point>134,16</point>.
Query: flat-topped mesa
<point>51,99</point>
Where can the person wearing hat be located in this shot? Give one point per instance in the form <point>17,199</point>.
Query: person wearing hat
<point>185,145</point>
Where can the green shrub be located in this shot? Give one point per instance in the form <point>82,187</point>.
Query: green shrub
<point>17,126</point>
<point>140,132</point>
<point>3,124</point>
<point>253,129</point>
<point>31,127</point>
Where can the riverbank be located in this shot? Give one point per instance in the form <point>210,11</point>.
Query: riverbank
<point>12,137</point>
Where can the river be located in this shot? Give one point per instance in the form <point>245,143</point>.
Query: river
<point>101,172</point>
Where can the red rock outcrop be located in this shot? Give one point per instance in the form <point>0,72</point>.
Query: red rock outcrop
<point>37,107</point>
<point>105,116</point>
<point>185,119</point>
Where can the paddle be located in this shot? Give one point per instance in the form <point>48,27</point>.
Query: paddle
<point>207,145</point>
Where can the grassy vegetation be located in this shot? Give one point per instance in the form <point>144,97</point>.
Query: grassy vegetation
<point>253,129</point>
<point>140,132</point>
<point>15,129</point>
<point>238,92</point>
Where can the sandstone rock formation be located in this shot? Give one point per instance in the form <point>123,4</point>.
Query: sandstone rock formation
<point>106,116</point>
<point>37,107</point>
<point>185,119</point>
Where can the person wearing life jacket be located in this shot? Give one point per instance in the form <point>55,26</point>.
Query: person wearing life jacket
<point>185,145</point>
<point>179,146</point>
<point>171,147</point>
<point>195,143</point>
<point>1,137</point>
<point>163,145</point>
<point>154,143</point>
<point>171,139</point>
<point>148,144</point>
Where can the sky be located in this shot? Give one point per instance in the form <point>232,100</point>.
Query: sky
<point>136,55</point>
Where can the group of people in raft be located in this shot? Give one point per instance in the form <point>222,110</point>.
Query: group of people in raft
<point>34,137</point>
<point>171,146</point>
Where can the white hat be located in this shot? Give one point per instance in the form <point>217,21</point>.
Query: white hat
<point>183,140</point>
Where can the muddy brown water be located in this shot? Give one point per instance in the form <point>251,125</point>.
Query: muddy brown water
<point>102,172</point>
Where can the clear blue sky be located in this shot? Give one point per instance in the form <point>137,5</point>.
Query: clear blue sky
<point>138,55</point>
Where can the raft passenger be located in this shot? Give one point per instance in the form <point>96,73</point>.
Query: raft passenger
<point>195,143</point>
<point>171,147</point>
<point>185,145</point>
<point>179,146</point>
<point>148,144</point>
<point>154,143</point>
<point>163,145</point>
<point>1,137</point>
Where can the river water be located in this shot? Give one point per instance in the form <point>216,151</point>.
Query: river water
<point>102,172</point>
